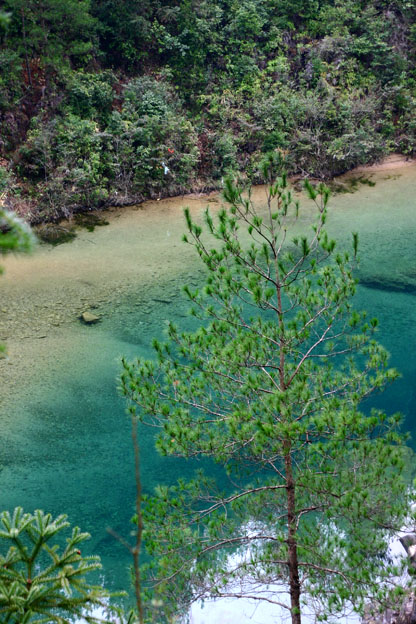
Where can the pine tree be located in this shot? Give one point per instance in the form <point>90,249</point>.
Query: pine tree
<point>271,387</point>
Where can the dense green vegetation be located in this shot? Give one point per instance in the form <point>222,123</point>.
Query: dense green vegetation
<point>120,100</point>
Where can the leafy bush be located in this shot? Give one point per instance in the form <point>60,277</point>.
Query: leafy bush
<point>10,84</point>
<point>90,96</point>
<point>65,155</point>
<point>224,158</point>
<point>152,144</point>
<point>4,179</point>
<point>147,96</point>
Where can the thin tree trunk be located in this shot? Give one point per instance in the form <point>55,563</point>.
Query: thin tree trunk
<point>294,584</point>
<point>137,546</point>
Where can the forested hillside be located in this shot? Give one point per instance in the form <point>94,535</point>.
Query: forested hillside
<point>113,101</point>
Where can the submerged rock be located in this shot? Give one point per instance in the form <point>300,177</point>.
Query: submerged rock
<point>89,319</point>
<point>408,542</point>
<point>406,612</point>
<point>404,615</point>
<point>166,301</point>
<point>54,234</point>
<point>90,220</point>
<point>400,283</point>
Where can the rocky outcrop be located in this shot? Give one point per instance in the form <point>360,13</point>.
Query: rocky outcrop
<point>399,283</point>
<point>408,542</point>
<point>406,614</point>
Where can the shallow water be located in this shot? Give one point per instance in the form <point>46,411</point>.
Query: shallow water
<point>65,442</point>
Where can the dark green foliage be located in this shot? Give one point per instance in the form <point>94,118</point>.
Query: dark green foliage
<point>271,386</point>
<point>219,82</point>
<point>10,78</point>
<point>91,95</point>
<point>124,30</point>
<point>36,31</point>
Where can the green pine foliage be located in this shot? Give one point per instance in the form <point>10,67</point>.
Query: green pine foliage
<point>272,387</point>
<point>42,577</point>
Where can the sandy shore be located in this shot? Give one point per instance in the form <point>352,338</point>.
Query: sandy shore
<point>394,161</point>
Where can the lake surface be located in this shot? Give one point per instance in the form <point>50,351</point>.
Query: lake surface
<point>65,443</point>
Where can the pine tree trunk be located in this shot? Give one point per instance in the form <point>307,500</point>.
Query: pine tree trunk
<point>294,584</point>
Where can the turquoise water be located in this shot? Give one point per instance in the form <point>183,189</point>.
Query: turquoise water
<point>65,444</point>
